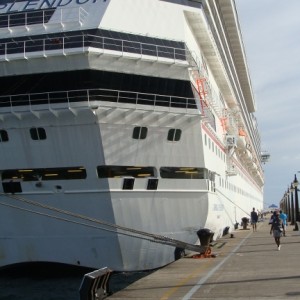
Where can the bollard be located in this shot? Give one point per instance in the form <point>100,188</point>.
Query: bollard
<point>245,222</point>
<point>226,230</point>
<point>205,236</point>
<point>94,285</point>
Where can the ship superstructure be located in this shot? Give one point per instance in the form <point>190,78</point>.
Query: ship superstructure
<point>134,113</point>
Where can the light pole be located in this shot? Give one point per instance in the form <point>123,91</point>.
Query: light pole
<point>295,185</point>
<point>292,205</point>
<point>288,204</point>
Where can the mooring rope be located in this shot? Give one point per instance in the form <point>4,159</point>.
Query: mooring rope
<point>114,228</point>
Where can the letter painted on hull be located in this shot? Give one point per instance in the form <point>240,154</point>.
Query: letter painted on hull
<point>11,6</point>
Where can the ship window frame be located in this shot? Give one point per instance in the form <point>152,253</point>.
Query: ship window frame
<point>38,133</point>
<point>139,133</point>
<point>12,187</point>
<point>174,135</point>
<point>152,184</point>
<point>184,173</point>
<point>117,171</point>
<point>3,136</point>
<point>44,174</point>
<point>128,183</point>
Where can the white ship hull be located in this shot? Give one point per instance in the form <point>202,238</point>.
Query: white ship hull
<point>110,142</point>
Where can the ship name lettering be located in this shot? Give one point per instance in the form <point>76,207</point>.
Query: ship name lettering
<point>39,4</point>
<point>30,5</point>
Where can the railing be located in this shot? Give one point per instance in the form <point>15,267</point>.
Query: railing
<point>82,42</point>
<point>65,15</point>
<point>71,15</point>
<point>87,98</point>
<point>26,18</point>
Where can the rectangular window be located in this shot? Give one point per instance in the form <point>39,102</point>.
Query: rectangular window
<point>128,183</point>
<point>44,174</point>
<point>125,171</point>
<point>12,187</point>
<point>184,173</point>
<point>152,184</point>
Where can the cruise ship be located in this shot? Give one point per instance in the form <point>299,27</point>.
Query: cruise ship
<point>124,126</point>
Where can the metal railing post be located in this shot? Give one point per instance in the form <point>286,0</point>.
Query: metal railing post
<point>118,97</point>
<point>48,97</point>
<point>24,49</point>
<point>44,47</point>
<point>63,45</point>
<point>5,52</point>
<point>136,99</point>
<point>88,97</point>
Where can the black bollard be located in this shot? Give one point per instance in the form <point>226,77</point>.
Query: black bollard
<point>205,236</point>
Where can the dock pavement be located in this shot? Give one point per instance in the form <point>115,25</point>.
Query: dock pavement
<point>247,266</point>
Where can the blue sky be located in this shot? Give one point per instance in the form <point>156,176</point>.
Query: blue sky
<point>271,34</point>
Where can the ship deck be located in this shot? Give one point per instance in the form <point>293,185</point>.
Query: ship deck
<point>248,266</point>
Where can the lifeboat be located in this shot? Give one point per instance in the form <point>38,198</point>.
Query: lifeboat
<point>241,142</point>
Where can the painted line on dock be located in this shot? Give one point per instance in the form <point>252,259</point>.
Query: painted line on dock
<point>212,271</point>
<point>172,291</point>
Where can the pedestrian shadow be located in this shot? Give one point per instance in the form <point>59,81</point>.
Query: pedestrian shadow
<point>255,251</point>
<point>293,294</point>
<point>283,241</point>
<point>261,244</point>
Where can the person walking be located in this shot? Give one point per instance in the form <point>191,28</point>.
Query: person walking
<point>272,217</point>
<point>283,217</point>
<point>254,218</point>
<point>276,228</point>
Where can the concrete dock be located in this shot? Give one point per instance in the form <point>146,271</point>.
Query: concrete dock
<point>247,266</point>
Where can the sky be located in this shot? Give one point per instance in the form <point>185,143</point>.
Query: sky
<point>271,35</point>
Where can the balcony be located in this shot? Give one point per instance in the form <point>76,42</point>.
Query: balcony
<point>65,44</point>
<point>94,99</point>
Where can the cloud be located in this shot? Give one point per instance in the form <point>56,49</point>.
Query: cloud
<point>270,32</point>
